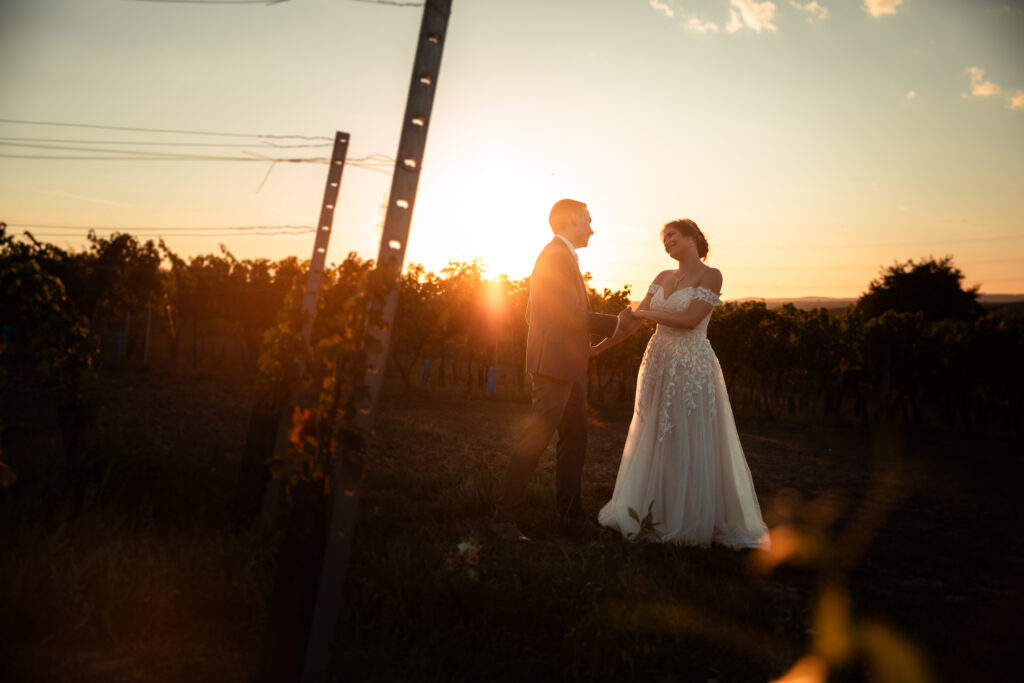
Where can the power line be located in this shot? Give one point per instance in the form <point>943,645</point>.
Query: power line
<point>878,245</point>
<point>148,155</point>
<point>139,156</point>
<point>378,162</point>
<point>161,158</point>
<point>392,3</point>
<point>215,2</point>
<point>170,131</point>
<point>168,231</point>
<point>192,234</point>
<point>662,266</point>
<point>733,285</point>
<point>163,143</point>
<point>881,245</point>
<point>134,228</point>
<point>76,231</point>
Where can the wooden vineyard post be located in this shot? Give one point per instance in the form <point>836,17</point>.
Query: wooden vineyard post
<point>380,320</point>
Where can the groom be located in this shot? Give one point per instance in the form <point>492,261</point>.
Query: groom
<point>557,350</point>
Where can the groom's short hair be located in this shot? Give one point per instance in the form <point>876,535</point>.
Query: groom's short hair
<point>562,214</point>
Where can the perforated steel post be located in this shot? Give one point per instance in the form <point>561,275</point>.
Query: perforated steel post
<point>404,183</point>
<point>315,276</point>
<point>397,219</point>
<point>310,300</point>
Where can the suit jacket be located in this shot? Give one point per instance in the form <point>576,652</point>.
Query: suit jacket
<point>560,318</point>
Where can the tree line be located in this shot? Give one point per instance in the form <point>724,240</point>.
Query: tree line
<point>917,347</point>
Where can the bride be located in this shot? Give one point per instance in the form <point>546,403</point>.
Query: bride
<point>682,462</point>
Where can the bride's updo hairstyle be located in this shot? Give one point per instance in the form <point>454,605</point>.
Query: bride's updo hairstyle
<point>687,228</point>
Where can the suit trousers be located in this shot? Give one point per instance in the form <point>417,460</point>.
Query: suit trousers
<point>561,406</point>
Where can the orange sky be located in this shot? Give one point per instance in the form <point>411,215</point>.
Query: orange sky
<point>813,142</point>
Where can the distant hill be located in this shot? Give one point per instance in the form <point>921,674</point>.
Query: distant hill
<point>835,303</point>
<point>806,302</point>
<point>988,299</point>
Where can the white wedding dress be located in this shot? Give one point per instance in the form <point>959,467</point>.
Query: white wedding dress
<point>683,452</point>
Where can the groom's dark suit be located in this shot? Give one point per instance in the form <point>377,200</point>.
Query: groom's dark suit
<point>557,351</point>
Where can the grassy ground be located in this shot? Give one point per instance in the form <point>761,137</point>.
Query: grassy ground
<point>149,581</point>
<point>898,553</point>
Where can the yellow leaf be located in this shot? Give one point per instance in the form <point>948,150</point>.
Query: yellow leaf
<point>808,669</point>
<point>894,658</point>
<point>832,626</point>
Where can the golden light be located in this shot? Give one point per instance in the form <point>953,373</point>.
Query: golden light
<point>495,301</point>
<point>495,207</point>
<point>786,542</point>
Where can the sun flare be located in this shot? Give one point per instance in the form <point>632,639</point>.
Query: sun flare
<point>500,214</point>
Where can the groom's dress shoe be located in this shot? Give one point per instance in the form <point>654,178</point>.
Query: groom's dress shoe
<point>508,531</point>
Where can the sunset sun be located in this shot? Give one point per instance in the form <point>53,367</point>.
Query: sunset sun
<point>498,214</point>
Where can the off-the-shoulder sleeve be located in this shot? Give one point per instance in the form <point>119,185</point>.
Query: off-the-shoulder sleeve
<point>653,288</point>
<point>705,294</point>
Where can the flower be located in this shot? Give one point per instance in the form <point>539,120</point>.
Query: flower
<point>465,557</point>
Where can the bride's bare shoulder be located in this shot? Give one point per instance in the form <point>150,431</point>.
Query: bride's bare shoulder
<point>712,279</point>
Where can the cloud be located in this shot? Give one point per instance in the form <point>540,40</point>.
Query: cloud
<point>662,7</point>
<point>735,24</point>
<point>813,9</point>
<point>982,88</point>
<point>697,26</point>
<point>756,15</point>
<point>752,14</point>
<point>979,86</point>
<point>877,8</point>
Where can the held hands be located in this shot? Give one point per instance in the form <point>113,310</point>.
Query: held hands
<point>639,317</point>
<point>628,322</point>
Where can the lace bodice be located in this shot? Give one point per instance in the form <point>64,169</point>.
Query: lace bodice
<point>683,357</point>
<point>679,301</point>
